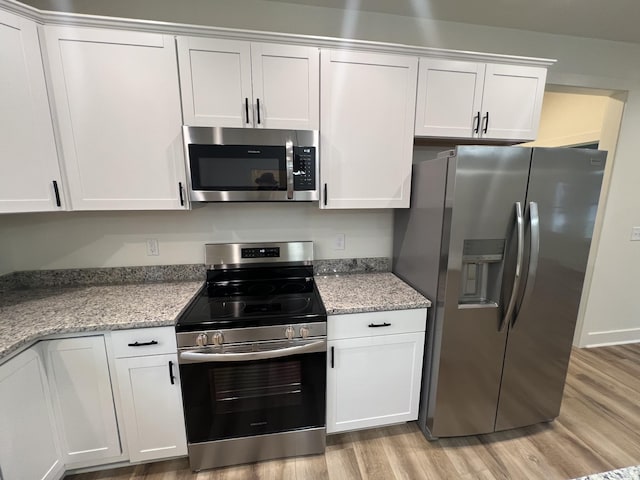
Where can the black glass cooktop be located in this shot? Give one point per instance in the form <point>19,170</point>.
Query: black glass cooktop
<point>253,298</point>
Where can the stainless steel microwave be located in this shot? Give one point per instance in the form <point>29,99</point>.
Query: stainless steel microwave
<point>251,164</point>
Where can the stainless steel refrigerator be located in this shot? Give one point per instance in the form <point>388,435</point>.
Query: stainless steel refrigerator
<point>498,239</point>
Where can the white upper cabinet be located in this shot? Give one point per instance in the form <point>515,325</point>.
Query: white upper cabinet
<point>28,159</point>
<point>512,101</point>
<point>366,131</point>
<point>118,106</point>
<point>475,100</point>
<point>449,98</point>
<point>227,83</point>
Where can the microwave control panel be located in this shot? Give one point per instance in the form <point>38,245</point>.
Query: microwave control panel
<point>304,168</point>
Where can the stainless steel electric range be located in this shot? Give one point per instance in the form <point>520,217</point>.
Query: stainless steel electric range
<point>252,354</point>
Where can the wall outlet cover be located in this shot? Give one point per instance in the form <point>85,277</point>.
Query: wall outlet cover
<point>153,249</point>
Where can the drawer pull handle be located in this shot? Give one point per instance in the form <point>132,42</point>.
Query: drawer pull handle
<point>144,344</point>
<point>376,325</point>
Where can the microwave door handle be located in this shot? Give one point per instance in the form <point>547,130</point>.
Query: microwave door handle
<point>289,159</point>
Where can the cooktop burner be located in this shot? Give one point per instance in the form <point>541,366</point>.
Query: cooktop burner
<point>254,297</point>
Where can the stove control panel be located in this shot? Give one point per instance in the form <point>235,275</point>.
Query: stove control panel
<point>212,338</point>
<point>267,252</point>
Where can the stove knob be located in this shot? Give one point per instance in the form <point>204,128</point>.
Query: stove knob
<point>290,332</point>
<point>218,338</point>
<point>304,332</point>
<point>201,340</point>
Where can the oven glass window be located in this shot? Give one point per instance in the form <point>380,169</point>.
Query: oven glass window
<point>237,399</point>
<point>241,168</point>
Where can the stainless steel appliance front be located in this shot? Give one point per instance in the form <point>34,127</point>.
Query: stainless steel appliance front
<point>253,401</point>
<point>252,354</point>
<point>251,164</point>
<point>500,237</point>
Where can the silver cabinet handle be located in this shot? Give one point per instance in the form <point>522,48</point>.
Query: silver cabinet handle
<point>534,256</point>
<point>289,158</point>
<point>198,357</point>
<point>516,281</point>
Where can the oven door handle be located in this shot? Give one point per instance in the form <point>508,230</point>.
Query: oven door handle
<point>198,357</point>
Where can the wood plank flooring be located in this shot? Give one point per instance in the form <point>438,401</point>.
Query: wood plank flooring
<point>598,429</point>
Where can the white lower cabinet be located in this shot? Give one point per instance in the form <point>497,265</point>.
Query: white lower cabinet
<point>374,368</point>
<point>78,374</point>
<point>149,384</point>
<point>28,441</point>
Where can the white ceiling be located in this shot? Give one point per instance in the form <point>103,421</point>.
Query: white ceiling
<point>604,19</point>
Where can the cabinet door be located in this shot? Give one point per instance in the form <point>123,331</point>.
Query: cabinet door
<point>373,381</point>
<point>367,122</point>
<point>513,101</point>
<point>286,86</point>
<point>215,78</point>
<point>152,406</point>
<point>449,98</point>
<point>28,157</point>
<point>82,398</point>
<point>28,442</point>
<point>118,106</point>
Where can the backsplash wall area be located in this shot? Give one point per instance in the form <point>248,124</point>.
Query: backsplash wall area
<point>112,239</point>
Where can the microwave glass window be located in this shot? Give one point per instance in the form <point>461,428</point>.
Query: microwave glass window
<point>240,168</point>
<point>242,174</point>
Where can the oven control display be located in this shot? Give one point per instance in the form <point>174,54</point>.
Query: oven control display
<point>260,252</point>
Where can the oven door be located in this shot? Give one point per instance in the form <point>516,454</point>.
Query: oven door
<point>253,389</point>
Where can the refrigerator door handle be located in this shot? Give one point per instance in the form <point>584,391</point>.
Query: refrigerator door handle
<point>516,281</point>
<point>534,256</point>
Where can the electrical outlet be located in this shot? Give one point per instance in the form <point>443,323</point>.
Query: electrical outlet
<point>338,241</point>
<point>635,234</point>
<point>153,249</point>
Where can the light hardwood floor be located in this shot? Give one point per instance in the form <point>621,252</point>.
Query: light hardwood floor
<point>598,429</point>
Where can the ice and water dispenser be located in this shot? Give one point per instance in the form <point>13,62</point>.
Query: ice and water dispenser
<point>481,273</point>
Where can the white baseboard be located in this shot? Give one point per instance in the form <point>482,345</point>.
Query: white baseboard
<point>611,337</point>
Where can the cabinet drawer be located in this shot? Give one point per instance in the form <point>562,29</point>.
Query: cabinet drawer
<point>376,323</point>
<point>143,341</point>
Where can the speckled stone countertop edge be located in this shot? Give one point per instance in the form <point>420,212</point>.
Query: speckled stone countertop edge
<point>30,316</point>
<point>346,311</point>
<point>344,293</point>
<point>367,292</point>
<point>28,341</point>
<point>629,473</point>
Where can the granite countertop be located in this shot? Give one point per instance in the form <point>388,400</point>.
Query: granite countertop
<point>367,292</point>
<point>28,315</point>
<point>629,473</point>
